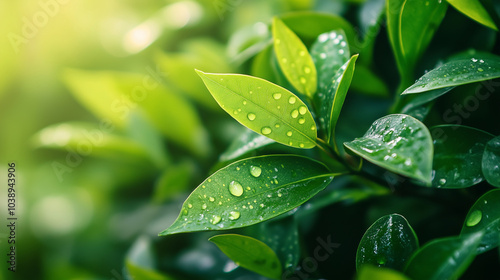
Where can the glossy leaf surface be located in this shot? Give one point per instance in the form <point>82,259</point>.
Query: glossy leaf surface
<point>248,141</point>
<point>249,253</point>
<point>457,72</point>
<point>445,258</point>
<point>491,162</point>
<point>294,59</point>
<point>264,107</point>
<point>398,143</point>
<point>484,216</point>
<point>250,191</point>
<point>458,152</point>
<point>475,10</point>
<point>389,242</point>
<point>371,272</point>
<point>411,25</point>
<point>330,104</point>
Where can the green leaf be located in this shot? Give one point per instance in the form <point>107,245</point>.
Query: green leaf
<point>398,143</point>
<point>411,25</point>
<point>491,162</point>
<point>294,59</point>
<point>249,253</point>
<point>444,258</point>
<point>173,181</point>
<point>88,139</point>
<point>248,141</point>
<point>389,242</point>
<point>283,237</point>
<point>264,107</point>
<point>262,65</point>
<point>330,104</point>
<point>413,102</point>
<point>371,272</point>
<point>329,52</point>
<point>250,191</point>
<point>458,152</point>
<point>457,72</point>
<point>114,96</point>
<point>484,216</point>
<point>197,54</point>
<point>475,10</point>
<point>371,16</point>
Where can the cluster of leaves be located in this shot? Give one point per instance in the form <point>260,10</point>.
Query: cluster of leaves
<point>303,113</point>
<point>325,146</point>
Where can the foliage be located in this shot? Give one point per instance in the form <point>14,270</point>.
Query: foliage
<point>312,169</point>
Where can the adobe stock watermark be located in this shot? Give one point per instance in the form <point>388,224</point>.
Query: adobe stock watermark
<point>31,25</point>
<point>222,7</point>
<point>95,137</point>
<point>321,253</point>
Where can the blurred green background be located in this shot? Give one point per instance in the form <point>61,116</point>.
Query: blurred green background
<point>108,125</point>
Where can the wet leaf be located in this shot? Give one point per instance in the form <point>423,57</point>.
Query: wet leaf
<point>411,25</point>
<point>294,59</point>
<point>389,242</point>
<point>484,216</point>
<point>330,103</point>
<point>457,72</point>
<point>329,52</point>
<point>491,162</point>
<point>413,102</point>
<point>371,272</point>
<point>248,141</point>
<point>250,191</point>
<point>444,258</point>
<point>458,152</point>
<point>249,253</point>
<point>398,143</point>
<point>283,237</point>
<point>475,10</point>
<point>264,107</point>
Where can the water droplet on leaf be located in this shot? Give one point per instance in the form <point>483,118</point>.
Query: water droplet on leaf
<point>255,171</point>
<point>251,116</point>
<point>234,215</point>
<point>215,219</point>
<point>474,218</point>
<point>292,99</point>
<point>266,130</point>
<point>235,188</point>
<point>277,95</point>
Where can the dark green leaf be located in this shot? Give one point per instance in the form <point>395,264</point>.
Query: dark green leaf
<point>294,59</point>
<point>249,253</point>
<point>141,263</point>
<point>371,16</point>
<point>389,242</point>
<point>283,237</point>
<point>444,258</point>
<point>371,272</point>
<point>251,191</point>
<point>329,52</point>
<point>484,216</point>
<point>248,141</point>
<point>457,72</point>
<point>330,103</point>
<point>415,101</point>
<point>398,143</point>
<point>411,25</point>
<point>491,162</point>
<point>458,152</point>
<point>264,107</point>
<point>475,10</point>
